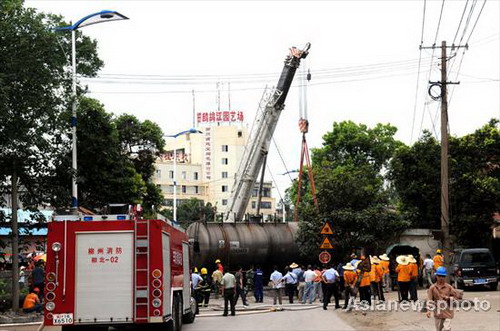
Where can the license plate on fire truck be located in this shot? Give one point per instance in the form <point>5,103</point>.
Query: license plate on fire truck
<point>62,319</point>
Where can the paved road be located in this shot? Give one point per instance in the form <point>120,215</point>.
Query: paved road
<point>318,319</point>
<point>313,319</point>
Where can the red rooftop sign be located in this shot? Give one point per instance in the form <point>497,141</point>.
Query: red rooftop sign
<point>220,116</point>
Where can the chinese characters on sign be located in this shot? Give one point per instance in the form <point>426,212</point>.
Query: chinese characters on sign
<point>220,116</point>
<point>104,254</point>
<point>207,153</point>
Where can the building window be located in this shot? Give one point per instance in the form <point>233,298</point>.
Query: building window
<point>196,189</point>
<point>225,160</point>
<point>224,174</point>
<point>253,204</point>
<point>183,188</point>
<point>240,134</point>
<point>225,148</point>
<point>224,202</point>
<point>171,174</point>
<point>184,176</point>
<point>195,176</point>
<point>224,188</point>
<point>265,204</point>
<point>158,173</point>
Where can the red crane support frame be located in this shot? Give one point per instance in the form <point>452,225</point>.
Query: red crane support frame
<point>304,154</point>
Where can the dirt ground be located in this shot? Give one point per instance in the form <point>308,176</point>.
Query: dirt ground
<point>412,320</point>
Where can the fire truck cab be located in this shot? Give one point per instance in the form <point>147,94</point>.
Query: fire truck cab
<point>116,270</point>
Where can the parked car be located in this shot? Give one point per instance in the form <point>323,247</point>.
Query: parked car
<point>474,267</point>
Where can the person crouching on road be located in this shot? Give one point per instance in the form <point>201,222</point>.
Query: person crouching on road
<point>229,290</point>
<point>350,277</point>
<point>439,295</point>
<point>330,277</point>
<point>206,287</point>
<point>32,302</point>
<point>404,271</point>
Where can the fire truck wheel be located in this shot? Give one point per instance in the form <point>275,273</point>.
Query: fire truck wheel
<point>176,323</point>
<point>189,317</point>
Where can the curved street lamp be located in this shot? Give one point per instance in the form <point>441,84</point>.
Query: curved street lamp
<point>192,130</point>
<point>100,17</point>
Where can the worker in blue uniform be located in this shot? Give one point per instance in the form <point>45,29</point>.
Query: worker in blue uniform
<point>258,282</point>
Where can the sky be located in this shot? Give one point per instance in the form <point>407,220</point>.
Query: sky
<point>364,62</point>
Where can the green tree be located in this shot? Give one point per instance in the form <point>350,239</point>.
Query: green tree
<point>190,211</point>
<point>142,142</point>
<point>34,89</point>
<point>474,183</point>
<point>105,173</point>
<point>348,172</point>
<point>415,174</point>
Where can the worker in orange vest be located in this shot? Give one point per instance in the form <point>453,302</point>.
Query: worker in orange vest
<point>404,271</point>
<point>364,284</point>
<point>384,263</point>
<point>32,302</point>
<point>438,259</point>
<point>350,278</point>
<point>376,276</point>
<point>414,278</point>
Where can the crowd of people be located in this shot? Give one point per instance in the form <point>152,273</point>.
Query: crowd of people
<point>370,276</point>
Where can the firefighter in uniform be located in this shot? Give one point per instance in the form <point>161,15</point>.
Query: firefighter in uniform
<point>205,287</point>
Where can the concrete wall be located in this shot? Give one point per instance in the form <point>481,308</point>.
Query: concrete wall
<point>422,239</point>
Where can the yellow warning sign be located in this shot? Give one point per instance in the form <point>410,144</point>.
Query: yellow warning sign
<point>326,244</point>
<point>326,229</point>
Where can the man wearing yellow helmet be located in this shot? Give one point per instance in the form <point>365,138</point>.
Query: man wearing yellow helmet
<point>438,259</point>
<point>219,266</point>
<point>205,287</point>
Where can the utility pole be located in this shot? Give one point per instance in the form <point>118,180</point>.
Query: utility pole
<point>445,217</point>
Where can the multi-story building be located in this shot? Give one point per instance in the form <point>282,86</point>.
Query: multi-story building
<point>207,163</point>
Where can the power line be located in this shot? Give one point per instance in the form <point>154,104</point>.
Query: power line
<point>418,74</point>
<point>477,19</point>
<point>439,22</point>
<point>460,24</point>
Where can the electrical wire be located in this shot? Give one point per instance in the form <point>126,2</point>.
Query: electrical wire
<point>460,24</point>
<point>439,22</point>
<point>418,74</point>
<point>477,19</point>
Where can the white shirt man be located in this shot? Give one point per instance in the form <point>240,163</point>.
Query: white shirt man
<point>309,276</point>
<point>277,279</point>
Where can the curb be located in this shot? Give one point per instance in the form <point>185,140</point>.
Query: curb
<point>20,324</point>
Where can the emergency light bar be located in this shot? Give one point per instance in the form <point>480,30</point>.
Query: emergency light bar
<point>89,218</point>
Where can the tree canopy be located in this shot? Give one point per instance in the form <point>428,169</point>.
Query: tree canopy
<point>474,183</point>
<point>348,172</point>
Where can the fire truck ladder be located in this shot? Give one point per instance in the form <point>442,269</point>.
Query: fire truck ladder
<point>141,279</point>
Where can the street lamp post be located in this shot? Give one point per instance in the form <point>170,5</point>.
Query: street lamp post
<point>100,17</point>
<point>175,166</point>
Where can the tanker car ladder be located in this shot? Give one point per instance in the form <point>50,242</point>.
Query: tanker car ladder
<point>141,260</point>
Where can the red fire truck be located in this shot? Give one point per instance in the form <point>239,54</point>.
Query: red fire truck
<point>116,270</point>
